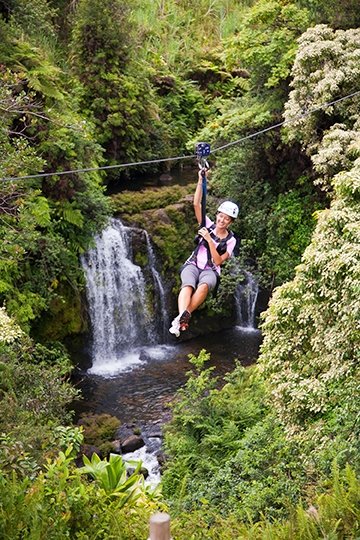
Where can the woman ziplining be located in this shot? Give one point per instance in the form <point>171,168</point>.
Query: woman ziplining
<point>215,244</point>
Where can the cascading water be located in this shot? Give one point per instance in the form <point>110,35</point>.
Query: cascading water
<point>120,317</point>
<point>159,289</point>
<point>245,298</point>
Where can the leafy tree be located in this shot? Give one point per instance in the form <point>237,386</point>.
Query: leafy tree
<point>116,92</point>
<point>44,225</point>
<point>310,350</point>
<point>330,12</point>
<point>30,16</point>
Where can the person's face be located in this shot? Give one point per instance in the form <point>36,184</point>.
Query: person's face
<point>223,220</point>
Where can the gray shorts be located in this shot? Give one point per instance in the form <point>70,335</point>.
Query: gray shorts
<point>193,276</point>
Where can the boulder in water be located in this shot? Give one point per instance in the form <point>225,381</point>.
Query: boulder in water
<point>132,443</point>
<point>166,178</point>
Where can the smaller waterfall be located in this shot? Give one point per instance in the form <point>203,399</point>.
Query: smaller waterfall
<point>245,298</point>
<point>159,290</point>
<point>120,318</point>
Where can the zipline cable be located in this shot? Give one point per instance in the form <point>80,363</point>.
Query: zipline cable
<point>92,169</point>
<point>191,156</point>
<point>274,126</point>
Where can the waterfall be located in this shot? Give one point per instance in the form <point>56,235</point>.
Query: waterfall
<point>159,290</point>
<point>119,310</point>
<point>245,298</point>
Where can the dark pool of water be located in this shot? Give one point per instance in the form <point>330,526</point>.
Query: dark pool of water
<point>140,394</point>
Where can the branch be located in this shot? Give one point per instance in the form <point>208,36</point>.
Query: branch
<point>19,111</point>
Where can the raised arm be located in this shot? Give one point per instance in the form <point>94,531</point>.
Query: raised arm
<point>197,198</point>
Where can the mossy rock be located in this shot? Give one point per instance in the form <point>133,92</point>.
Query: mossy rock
<point>99,429</point>
<point>66,316</point>
<point>172,230</point>
<point>128,203</point>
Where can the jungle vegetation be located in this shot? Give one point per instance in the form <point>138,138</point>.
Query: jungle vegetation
<point>86,84</point>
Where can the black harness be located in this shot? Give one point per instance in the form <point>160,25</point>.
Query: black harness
<point>221,248</point>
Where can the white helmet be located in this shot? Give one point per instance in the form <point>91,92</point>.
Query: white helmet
<point>229,208</point>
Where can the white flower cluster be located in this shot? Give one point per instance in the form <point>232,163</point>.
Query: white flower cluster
<point>9,330</point>
<point>327,66</point>
<point>337,152</point>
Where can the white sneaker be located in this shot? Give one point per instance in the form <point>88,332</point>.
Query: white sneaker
<point>175,327</point>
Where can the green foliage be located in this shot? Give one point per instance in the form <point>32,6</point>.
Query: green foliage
<point>35,67</point>
<point>116,93</point>
<point>34,398</point>
<point>43,229</point>
<point>69,437</point>
<point>265,476</point>
<point>183,108</point>
<point>206,432</point>
<point>328,12</point>
<point>14,458</point>
<point>112,477</point>
<point>145,78</point>
<point>266,43</point>
<point>17,156</point>
<point>289,228</point>
<point>334,513</point>
<point>175,35</point>
<point>59,503</point>
<point>100,36</point>
<point>229,454</point>
<point>30,15</point>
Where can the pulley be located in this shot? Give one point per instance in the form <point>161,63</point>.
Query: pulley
<point>202,150</point>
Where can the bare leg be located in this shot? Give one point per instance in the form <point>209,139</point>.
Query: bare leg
<point>184,298</point>
<point>198,297</point>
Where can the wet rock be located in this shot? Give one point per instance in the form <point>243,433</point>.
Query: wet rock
<point>132,443</point>
<point>116,446</point>
<point>155,430</point>
<point>143,471</point>
<point>161,459</point>
<point>166,178</point>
